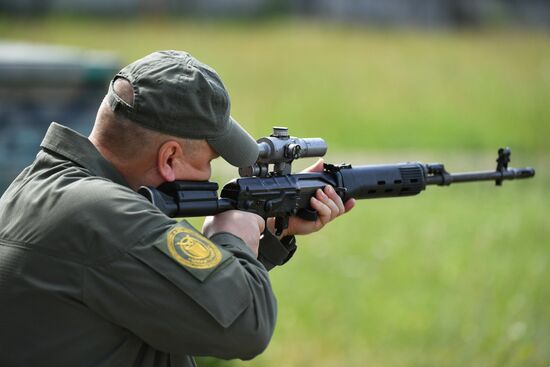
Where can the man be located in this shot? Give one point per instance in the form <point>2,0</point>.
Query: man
<point>92,274</point>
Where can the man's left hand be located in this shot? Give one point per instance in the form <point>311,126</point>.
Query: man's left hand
<point>326,202</point>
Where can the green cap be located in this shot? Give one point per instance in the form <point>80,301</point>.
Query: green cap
<point>176,94</point>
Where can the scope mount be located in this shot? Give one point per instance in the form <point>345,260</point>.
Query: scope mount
<point>280,150</point>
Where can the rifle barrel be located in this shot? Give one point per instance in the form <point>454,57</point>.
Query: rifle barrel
<point>508,174</point>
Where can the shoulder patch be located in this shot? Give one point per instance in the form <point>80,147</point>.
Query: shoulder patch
<point>189,248</point>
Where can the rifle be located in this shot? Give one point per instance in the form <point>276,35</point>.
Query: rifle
<point>279,193</point>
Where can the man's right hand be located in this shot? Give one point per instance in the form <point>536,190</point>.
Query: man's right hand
<point>246,226</point>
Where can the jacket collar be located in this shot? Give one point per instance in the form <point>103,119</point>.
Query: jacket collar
<point>79,149</point>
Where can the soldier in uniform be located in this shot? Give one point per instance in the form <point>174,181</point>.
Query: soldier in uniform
<point>92,274</point>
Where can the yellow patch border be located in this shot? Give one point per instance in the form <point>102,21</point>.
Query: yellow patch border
<point>212,259</point>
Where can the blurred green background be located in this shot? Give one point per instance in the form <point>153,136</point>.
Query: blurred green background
<point>457,276</point>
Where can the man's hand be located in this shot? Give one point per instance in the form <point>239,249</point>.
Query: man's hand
<point>246,226</point>
<point>326,202</point>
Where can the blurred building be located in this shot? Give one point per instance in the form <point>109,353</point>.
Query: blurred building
<point>386,12</point>
<point>40,84</point>
<point>430,12</point>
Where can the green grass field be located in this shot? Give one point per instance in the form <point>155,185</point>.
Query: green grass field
<point>457,276</point>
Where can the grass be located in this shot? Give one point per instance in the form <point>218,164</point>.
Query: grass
<point>457,276</point>
<point>443,279</point>
<point>359,88</point>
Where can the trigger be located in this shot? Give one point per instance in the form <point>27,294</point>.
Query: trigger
<point>281,223</point>
<point>307,214</point>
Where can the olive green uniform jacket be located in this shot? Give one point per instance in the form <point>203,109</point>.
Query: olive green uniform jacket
<point>92,274</point>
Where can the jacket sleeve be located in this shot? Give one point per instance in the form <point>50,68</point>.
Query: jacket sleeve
<point>185,294</point>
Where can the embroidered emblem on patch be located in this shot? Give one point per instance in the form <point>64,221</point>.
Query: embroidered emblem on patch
<point>191,249</point>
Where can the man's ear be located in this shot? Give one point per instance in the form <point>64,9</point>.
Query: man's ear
<point>169,156</point>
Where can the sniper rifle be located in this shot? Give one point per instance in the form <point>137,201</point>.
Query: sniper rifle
<point>279,193</point>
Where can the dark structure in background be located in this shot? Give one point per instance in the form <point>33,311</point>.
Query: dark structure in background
<point>447,13</point>
<point>40,84</point>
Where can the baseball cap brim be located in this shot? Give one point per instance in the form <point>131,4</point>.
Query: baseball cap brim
<point>236,146</point>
